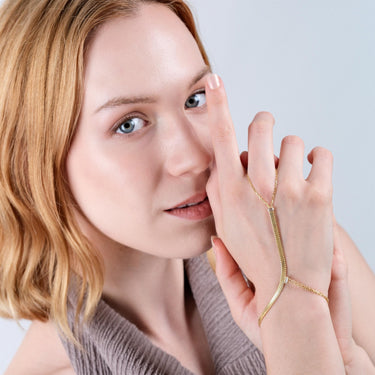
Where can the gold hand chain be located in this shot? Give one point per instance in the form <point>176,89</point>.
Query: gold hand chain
<point>284,279</point>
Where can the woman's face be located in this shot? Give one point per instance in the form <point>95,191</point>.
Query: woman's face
<point>142,145</point>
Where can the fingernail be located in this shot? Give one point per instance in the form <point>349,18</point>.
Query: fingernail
<point>213,238</point>
<point>213,81</point>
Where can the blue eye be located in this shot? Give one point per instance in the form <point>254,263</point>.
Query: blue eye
<point>196,100</point>
<point>130,125</point>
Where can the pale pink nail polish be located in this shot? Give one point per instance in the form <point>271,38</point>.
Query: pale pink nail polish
<point>213,81</point>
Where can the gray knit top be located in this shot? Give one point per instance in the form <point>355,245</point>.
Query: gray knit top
<point>113,345</point>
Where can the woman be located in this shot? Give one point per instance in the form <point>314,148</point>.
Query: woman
<point>106,138</point>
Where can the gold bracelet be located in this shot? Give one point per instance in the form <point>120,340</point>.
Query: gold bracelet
<point>284,279</point>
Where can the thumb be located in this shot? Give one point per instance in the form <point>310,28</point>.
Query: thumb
<point>232,281</point>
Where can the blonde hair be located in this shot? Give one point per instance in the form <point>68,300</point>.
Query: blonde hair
<point>42,48</point>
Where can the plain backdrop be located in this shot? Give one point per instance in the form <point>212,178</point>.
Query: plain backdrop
<point>311,64</point>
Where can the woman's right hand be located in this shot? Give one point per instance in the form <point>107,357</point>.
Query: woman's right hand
<point>241,299</point>
<point>303,206</point>
<point>297,334</point>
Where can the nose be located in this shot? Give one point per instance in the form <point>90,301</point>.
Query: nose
<point>188,149</point>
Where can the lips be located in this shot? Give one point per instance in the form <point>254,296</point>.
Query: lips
<point>195,199</point>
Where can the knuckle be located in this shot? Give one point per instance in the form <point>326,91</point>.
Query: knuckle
<point>289,192</point>
<point>223,131</point>
<point>320,197</point>
<point>341,266</point>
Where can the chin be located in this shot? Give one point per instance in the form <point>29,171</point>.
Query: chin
<point>193,254</point>
<point>196,249</point>
<point>185,243</point>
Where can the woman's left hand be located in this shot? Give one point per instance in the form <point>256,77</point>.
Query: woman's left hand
<point>355,358</point>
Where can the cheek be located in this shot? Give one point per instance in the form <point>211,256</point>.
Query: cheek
<point>112,188</point>
<point>122,189</point>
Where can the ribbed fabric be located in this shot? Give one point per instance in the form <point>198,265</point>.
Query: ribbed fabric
<point>113,345</point>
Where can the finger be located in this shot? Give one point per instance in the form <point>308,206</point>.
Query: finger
<point>291,159</point>
<point>222,130</point>
<point>244,160</point>
<point>261,163</point>
<point>340,271</point>
<point>231,280</point>
<point>322,165</point>
<point>214,197</point>
<point>339,299</point>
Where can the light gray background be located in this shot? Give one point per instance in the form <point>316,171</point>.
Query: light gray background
<point>310,63</point>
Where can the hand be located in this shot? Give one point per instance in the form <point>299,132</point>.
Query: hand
<point>304,207</point>
<point>355,358</point>
<point>242,303</point>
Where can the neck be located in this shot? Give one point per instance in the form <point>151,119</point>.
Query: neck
<point>147,290</point>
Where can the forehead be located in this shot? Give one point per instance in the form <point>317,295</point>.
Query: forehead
<point>150,49</point>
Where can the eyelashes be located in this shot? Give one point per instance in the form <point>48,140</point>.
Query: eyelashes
<point>198,99</point>
<point>131,124</point>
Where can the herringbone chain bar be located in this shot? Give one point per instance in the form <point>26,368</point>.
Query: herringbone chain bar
<point>284,279</point>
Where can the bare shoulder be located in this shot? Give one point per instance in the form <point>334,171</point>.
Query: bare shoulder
<point>41,352</point>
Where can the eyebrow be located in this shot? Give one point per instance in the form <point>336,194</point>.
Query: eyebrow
<point>121,100</point>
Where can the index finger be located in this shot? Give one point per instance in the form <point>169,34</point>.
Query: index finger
<point>222,130</point>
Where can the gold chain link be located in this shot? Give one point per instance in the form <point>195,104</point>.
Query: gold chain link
<point>307,288</point>
<point>268,205</point>
<point>284,279</point>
